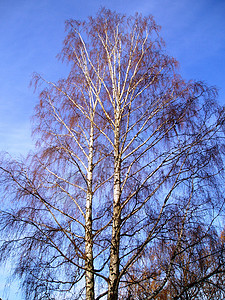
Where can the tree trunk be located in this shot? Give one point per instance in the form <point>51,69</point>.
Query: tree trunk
<point>89,276</point>
<point>115,242</point>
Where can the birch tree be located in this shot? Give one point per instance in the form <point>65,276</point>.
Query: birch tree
<point>129,156</point>
<point>198,268</point>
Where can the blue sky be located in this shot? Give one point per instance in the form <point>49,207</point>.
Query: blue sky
<point>31,35</point>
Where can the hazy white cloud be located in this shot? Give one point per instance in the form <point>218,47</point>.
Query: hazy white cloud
<point>9,289</point>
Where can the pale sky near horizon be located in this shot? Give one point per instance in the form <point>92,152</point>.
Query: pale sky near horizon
<point>32,32</point>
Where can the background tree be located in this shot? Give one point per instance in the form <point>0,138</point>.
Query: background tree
<point>198,268</point>
<point>126,175</point>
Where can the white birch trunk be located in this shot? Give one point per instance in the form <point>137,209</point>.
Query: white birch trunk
<point>115,241</point>
<point>89,276</point>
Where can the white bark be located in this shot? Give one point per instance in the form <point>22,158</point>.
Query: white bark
<point>115,240</point>
<point>89,276</point>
